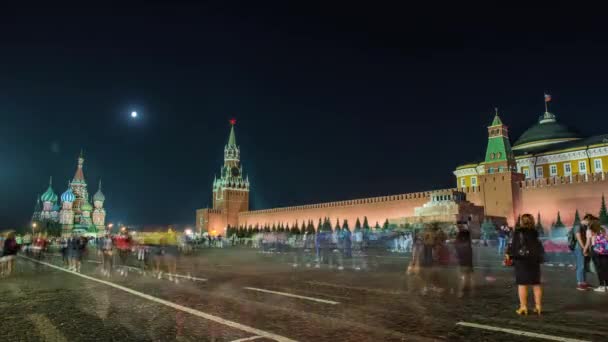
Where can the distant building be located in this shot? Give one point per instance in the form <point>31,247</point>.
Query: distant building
<point>76,213</point>
<point>550,168</point>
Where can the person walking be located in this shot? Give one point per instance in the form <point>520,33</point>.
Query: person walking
<point>9,253</point>
<point>464,253</point>
<point>502,239</point>
<point>527,253</point>
<point>106,255</point>
<point>597,246</point>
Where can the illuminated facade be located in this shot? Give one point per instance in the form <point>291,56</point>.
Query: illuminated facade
<point>550,168</point>
<point>75,212</point>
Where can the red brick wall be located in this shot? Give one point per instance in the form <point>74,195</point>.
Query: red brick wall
<point>377,209</point>
<point>547,197</point>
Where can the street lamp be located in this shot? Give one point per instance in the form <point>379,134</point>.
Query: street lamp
<point>33,227</point>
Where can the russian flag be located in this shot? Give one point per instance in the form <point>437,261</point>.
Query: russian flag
<point>547,98</point>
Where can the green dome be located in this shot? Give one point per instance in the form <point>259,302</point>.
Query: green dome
<point>546,131</point>
<point>86,206</point>
<point>49,195</point>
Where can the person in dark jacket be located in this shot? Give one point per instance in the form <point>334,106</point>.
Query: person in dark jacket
<point>464,253</point>
<point>527,253</point>
<point>9,252</point>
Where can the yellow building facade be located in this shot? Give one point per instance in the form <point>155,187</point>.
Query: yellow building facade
<point>548,149</point>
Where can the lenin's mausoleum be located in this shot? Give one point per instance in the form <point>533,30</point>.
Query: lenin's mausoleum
<point>549,168</point>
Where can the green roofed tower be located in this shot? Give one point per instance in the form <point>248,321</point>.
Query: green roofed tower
<point>499,156</point>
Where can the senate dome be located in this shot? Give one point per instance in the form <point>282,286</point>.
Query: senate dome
<point>546,132</point>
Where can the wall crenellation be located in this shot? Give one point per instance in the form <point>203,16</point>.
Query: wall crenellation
<point>562,180</point>
<point>354,202</point>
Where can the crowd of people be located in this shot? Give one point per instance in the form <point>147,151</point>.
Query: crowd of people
<point>434,253</point>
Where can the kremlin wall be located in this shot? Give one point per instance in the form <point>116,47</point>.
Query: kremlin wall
<point>549,169</point>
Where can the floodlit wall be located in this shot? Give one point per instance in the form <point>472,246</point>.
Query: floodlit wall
<point>377,209</point>
<point>548,195</point>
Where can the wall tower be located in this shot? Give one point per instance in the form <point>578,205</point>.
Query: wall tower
<point>500,182</point>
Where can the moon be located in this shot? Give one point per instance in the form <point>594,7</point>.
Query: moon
<point>133,114</point>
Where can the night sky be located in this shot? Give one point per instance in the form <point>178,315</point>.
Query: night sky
<point>332,101</point>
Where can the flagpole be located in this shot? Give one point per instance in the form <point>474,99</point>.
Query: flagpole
<point>546,104</point>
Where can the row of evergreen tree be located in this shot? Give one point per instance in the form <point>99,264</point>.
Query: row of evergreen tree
<point>324,225</point>
<point>559,226</point>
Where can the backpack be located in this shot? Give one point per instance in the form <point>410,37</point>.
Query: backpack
<point>572,237</point>
<point>601,244</point>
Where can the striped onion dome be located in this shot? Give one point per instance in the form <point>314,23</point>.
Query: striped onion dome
<point>49,195</point>
<point>68,195</point>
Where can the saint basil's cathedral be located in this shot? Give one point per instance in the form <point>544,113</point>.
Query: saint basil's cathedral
<point>75,213</point>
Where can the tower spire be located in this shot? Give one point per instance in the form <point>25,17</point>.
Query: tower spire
<point>496,121</point>
<point>232,137</point>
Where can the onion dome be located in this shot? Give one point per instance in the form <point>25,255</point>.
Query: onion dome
<point>547,131</point>
<point>68,195</point>
<point>49,195</point>
<point>99,197</point>
<point>86,206</point>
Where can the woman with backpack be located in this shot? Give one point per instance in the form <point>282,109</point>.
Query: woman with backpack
<point>527,253</point>
<point>597,246</point>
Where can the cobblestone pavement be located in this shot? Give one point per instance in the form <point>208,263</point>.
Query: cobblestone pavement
<point>254,290</point>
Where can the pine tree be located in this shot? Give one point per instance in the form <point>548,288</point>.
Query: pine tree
<point>377,226</point>
<point>319,226</point>
<point>558,223</point>
<point>603,212</point>
<point>345,224</point>
<point>385,225</point>
<point>337,226</point>
<point>327,225</point>
<point>539,226</point>
<point>303,227</point>
<point>357,225</point>
<point>365,223</point>
<point>559,229</point>
<point>518,223</point>
<point>577,219</point>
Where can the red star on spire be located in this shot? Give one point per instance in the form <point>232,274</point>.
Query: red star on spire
<point>232,121</point>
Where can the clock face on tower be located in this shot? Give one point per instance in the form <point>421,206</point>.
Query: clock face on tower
<point>235,171</point>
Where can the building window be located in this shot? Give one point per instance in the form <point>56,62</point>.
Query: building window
<point>553,170</point>
<point>491,170</point>
<point>539,172</point>
<point>498,155</point>
<point>582,166</point>
<point>527,173</point>
<point>597,165</point>
<point>473,181</point>
<point>463,182</point>
<point>567,169</point>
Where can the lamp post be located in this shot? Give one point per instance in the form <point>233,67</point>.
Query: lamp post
<point>33,227</point>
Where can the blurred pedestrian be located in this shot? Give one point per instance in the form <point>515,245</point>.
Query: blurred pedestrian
<point>9,252</point>
<point>527,252</point>
<point>106,255</point>
<point>73,251</point>
<point>464,254</point>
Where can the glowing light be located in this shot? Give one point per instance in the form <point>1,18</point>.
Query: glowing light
<point>133,114</point>
<point>233,122</point>
<point>188,231</point>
